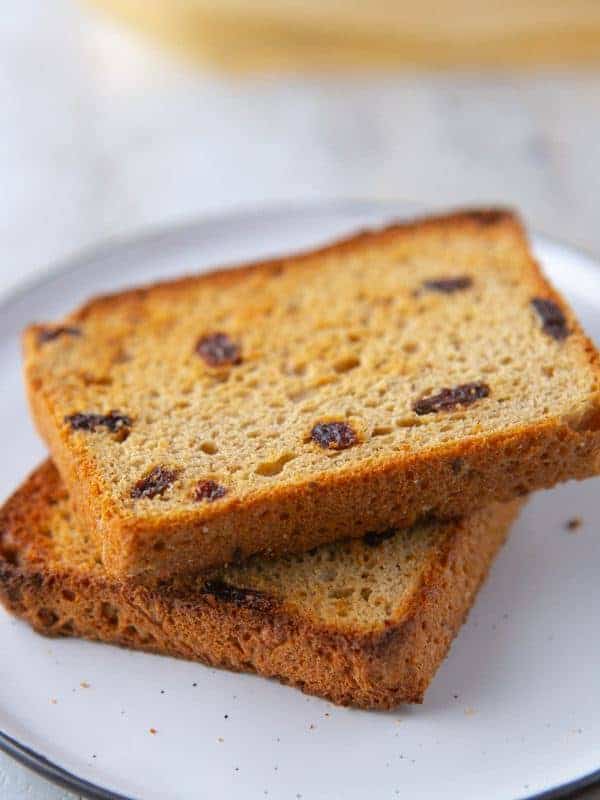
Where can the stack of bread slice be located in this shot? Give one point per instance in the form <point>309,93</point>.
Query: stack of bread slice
<point>303,467</point>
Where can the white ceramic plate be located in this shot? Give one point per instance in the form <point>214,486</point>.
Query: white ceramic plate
<point>513,712</point>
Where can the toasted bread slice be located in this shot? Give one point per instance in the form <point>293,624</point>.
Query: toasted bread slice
<point>428,367</point>
<point>364,622</point>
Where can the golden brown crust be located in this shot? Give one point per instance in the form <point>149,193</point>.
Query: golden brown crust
<point>298,516</point>
<point>468,220</point>
<point>391,664</point>
<point>505,467</point>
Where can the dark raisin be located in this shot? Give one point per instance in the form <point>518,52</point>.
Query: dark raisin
<point>554,322</point>
<point>374,539</point>
<point>449,285</point>
<point>209,490</point>
<point>447,399</point>
<point>114,421</point>
<point>456,465</point>
<point>333,435</point>
<point>49,334</point>
<point>217,349</point>
<point>155,482</point>
<point>245,598</point>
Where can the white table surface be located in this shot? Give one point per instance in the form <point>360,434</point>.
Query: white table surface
<point>102,135</point>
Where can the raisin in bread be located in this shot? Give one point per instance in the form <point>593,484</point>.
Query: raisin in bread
<point>363,622</point>
<point>425,368</point>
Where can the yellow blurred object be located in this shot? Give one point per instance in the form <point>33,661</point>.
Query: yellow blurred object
<point>314,34</point>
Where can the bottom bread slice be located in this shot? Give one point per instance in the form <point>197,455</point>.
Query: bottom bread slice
<point>360,622</point>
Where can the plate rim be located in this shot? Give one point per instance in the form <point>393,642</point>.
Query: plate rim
<point>28,756</point>
<point>57,775</point>
<point>62,777</point>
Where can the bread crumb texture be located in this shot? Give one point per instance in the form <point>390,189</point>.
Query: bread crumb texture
<point>362,622</point>
<point>233,413</point>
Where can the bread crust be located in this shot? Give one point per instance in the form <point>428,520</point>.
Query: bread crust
<point>349,501</point>
<point>392,663</point>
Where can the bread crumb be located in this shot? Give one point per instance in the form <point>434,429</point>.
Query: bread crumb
<point>573,524</point>
<point>470,711</point>
<point>153,731</point>
<point>311,727</point>
<point>220,739</point>
<point>84,685</point>
<point>53,700</point>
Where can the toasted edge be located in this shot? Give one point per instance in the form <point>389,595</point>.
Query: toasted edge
<point>246,630</point>
<point>473,219</point>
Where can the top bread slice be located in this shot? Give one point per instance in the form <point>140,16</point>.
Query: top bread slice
<point>427,368</point>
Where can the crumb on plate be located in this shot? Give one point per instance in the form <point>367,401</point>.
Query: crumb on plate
<point>573,524</point>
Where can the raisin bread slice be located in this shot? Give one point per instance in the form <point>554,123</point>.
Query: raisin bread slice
<point>364,622</point>
<point>428,367</point>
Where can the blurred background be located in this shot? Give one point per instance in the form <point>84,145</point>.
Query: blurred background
<point>122,115</point>
<point>118,115</point>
